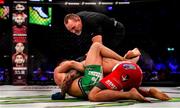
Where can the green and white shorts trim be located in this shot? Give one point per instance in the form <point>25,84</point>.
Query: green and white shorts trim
<point>92,75</point>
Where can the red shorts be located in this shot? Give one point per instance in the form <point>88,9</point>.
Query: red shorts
<point>125,75</point>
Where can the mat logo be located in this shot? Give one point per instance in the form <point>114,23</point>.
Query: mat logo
<point>129,66</point>
<point>125,77</point>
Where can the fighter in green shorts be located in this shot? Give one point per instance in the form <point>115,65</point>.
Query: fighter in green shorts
<point>79,86</point>
<point>92,75</point>
<point>98,57</point>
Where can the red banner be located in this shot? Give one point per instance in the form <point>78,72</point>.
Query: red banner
<point>1,1</point>
<point>19,49</point>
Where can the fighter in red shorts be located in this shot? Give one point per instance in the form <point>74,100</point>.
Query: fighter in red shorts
<point>123,83</point>
<point>124,76</point>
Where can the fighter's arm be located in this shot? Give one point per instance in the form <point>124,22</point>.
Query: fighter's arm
<point>70,76</point>
<point>64,81</point>
<point>65,73</point>
<point>79,66</point>
<point>65,66</point>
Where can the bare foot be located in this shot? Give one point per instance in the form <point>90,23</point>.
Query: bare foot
<point>132,53</point>
<point>155,93</point>
<point>137,96</point>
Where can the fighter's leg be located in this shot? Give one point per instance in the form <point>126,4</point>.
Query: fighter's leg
<point>154,93</point>
<point>97,51</point>
<point>93,72</point>
<point>93,65</point>
<point>96,95</point>
<point>94,55</point>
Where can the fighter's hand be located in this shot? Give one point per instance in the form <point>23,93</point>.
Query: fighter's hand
<point>71,75</point>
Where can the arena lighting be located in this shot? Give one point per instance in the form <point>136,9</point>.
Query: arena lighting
<point>173,66</point>
<point>1,74</point>
<point>109,8</point>
<point>88,2</point>
<point>77,3</point>
<point>170,49</point>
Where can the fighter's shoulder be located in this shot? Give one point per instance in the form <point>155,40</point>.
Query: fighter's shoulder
<point>82,12</point>
<point>88,13</point>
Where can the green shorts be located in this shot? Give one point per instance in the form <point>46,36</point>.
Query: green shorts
<point>92,75</point>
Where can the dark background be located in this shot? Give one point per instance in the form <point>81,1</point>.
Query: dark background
<point>151,25</point>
